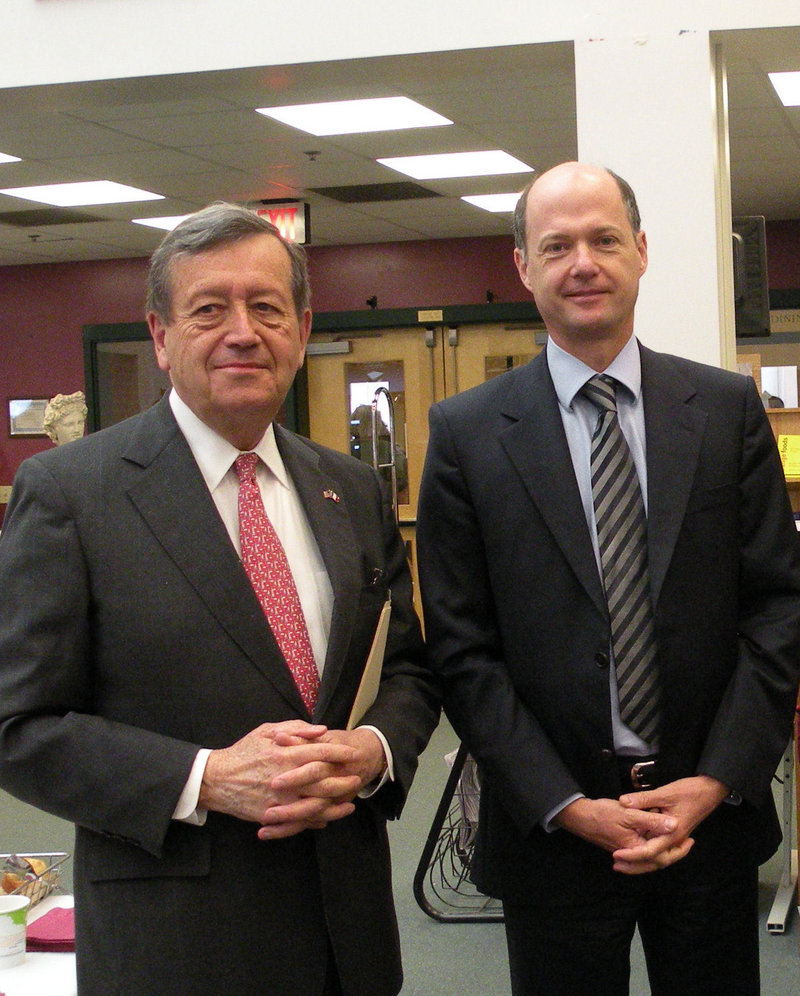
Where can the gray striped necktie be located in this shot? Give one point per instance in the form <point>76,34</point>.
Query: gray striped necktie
<point>622,538</point>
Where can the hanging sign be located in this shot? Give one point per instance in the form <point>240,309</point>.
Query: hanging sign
<point>291,218</point>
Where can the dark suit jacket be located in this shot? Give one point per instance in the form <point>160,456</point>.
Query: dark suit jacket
<point>129,637</point>
<point>517,625</point>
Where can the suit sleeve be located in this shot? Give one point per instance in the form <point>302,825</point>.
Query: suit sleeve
<point>754,721</point>
<point>465,646</point>
<point>55,753</point>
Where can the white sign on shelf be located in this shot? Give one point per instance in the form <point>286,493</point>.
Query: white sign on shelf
<point>784,320</point>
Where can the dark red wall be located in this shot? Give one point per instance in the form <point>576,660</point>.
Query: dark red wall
<point>44,308</point>
<point>414,274</point>
<point>783,254</point>
<point>42,312</point>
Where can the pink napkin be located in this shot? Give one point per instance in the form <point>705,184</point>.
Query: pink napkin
<point>55,931</point>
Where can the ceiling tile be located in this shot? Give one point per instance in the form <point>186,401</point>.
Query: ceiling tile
<point>196,138</point>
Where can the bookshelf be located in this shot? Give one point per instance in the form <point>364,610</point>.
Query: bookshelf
<point>786,422</point>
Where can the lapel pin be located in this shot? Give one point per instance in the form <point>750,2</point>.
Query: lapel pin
<point>327,493</point>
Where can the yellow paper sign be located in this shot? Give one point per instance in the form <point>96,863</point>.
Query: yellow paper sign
<point>789,449</point>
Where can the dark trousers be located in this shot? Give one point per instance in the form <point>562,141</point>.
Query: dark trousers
<point>333,986</point>
<point>698,922</point>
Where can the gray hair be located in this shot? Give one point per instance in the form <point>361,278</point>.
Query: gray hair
<point>628,202</point>
<point>218,224</point>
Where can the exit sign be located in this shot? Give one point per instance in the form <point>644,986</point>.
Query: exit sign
<point>291,218</point>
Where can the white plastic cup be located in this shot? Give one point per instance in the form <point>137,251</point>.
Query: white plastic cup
<point>13,921</point>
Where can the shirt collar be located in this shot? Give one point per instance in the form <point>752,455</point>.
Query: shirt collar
<point>569,374</point>
<point>214,455</point>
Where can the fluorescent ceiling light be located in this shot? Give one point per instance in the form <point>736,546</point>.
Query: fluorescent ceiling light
<point>787,86</point>
<point>441,167</point>
<point>9,159</point>
<point>81,194</point>
<point>167,224</point>
<point>498,203</point>
<point>351,117</point>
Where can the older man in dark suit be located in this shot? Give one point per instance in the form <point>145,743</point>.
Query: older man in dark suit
<point>182,706</point>
<point>611,585</point>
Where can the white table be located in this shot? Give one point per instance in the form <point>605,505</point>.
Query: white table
<point>42,972</point>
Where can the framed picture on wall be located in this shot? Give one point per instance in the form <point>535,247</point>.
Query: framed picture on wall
<point>26,416</point>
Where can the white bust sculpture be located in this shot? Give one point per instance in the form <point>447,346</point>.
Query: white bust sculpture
<point>65,417</point>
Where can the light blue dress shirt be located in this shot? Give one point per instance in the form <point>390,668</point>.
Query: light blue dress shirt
<point>579,417</point>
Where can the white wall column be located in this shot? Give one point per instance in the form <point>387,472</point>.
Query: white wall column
<point>647,108</point>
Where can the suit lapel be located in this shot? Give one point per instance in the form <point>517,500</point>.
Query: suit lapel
<point>536,444</point>
<point>325,506</point>
<point>674,428</point>
<point>171,496</point>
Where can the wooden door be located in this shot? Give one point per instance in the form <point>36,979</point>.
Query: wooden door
<point>417,366</point>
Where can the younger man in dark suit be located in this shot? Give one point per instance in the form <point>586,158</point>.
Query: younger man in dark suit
<point>231,835</point>
<point>611,584</point>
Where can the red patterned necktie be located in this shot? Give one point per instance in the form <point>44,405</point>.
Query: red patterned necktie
<point>265,561</point>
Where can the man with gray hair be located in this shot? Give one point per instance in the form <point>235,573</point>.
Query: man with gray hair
<point>187,602</point>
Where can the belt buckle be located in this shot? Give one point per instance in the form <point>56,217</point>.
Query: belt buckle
<point>641,775</point>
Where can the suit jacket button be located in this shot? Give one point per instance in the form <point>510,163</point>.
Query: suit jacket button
<point>601,660</point>
<point>606,754</point>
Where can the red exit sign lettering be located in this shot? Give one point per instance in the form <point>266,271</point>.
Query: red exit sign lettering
<point>289,217</point>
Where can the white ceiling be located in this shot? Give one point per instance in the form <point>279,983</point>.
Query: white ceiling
<point>196,138</point>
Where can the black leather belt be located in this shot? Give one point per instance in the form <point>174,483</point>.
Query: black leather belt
<point>639,773</point>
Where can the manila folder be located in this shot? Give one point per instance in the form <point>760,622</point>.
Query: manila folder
<point>371,678</point>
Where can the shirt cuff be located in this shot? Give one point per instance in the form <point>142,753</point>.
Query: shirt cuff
<point>187,809</point>
<point>388,774</point>
<point>547,822</point>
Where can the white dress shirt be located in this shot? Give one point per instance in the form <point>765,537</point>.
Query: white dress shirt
<point>215,457</point>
